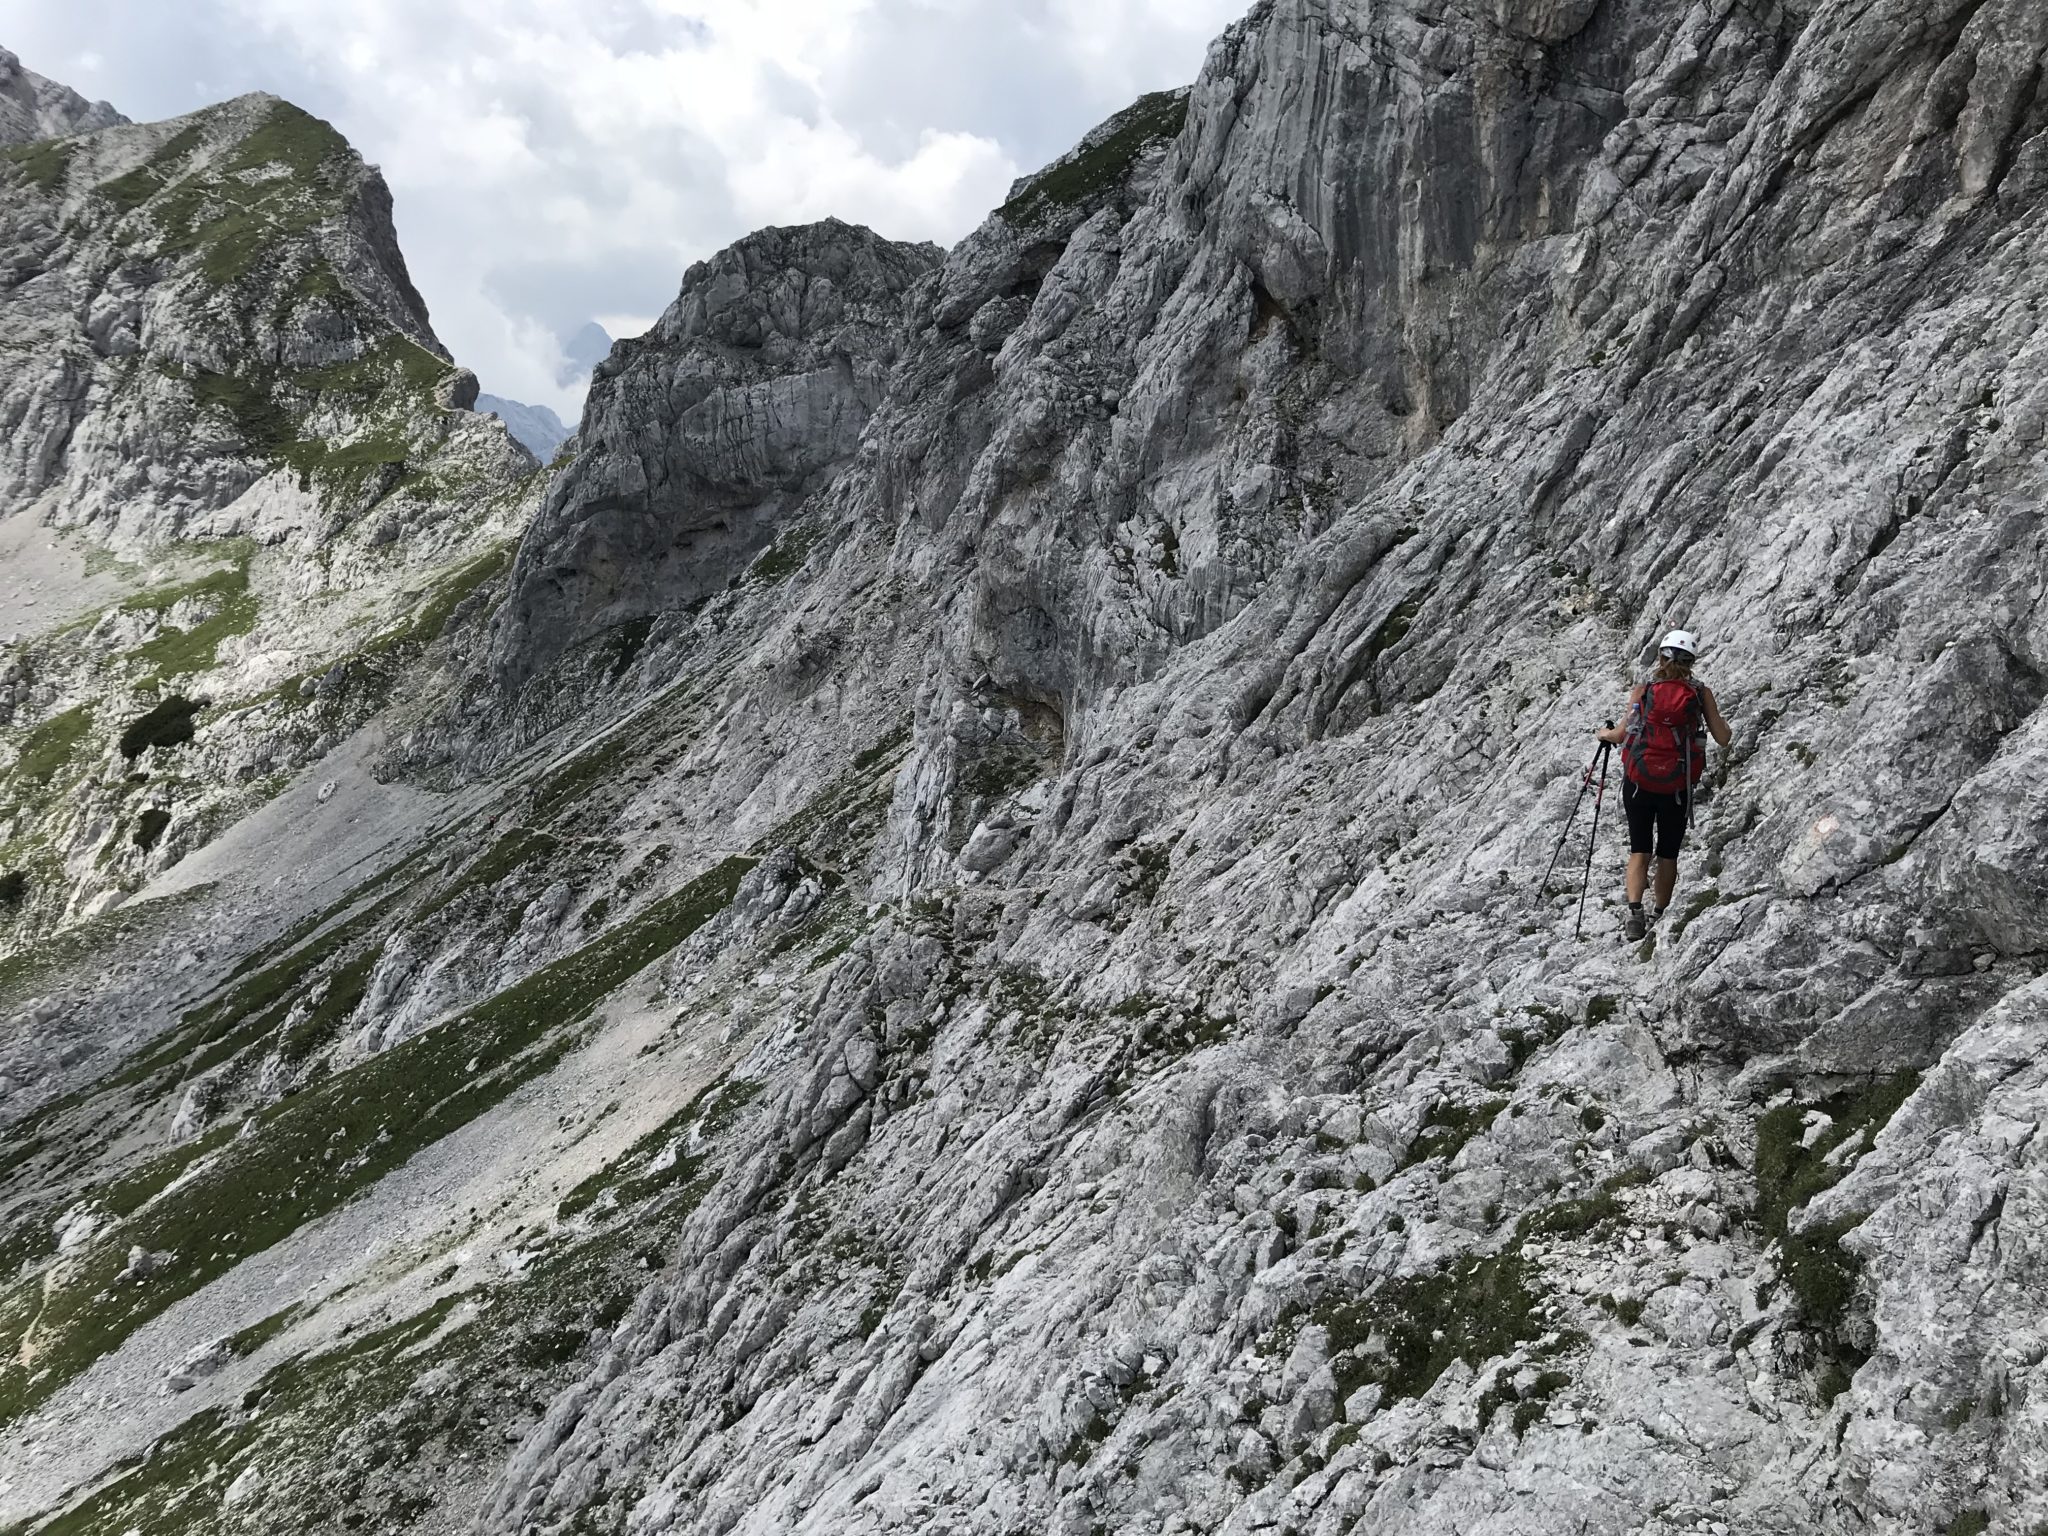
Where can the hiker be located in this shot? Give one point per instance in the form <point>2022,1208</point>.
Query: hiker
<point>1664,752</point>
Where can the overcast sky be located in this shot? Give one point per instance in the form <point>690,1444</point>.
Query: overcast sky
<point>556,161</point>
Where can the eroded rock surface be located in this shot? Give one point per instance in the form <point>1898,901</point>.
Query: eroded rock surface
<point>975,960</point>
<point>703,436</point>
<point>33,108</point>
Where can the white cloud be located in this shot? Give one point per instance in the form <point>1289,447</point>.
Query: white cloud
<point>551,163</point>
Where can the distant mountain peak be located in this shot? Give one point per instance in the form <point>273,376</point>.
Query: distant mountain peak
<point>582,350</point>
<point>536,428</point>
<point>32,107</point>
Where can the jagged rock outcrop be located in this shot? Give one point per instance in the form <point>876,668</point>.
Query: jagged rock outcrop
<point>702,437</point>
<point>34,108</point>
<point>1004,988</point>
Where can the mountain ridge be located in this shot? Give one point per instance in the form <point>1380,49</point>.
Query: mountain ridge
<point>251,446</point>
<point>32,107</point>
<point>1007,990</point>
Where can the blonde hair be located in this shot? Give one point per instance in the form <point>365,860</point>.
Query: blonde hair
<point>1672,669</point>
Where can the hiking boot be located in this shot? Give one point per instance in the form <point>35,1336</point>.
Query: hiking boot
<point>1657,916</point>
<point>1637,928</point>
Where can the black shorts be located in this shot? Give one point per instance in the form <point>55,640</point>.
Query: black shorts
<point>1661,817</point>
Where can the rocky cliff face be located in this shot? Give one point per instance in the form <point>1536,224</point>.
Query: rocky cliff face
<point>703,437</point>
<point>211,303</point>
<point>34,108</point>
<point>233,456</point>
<point>974,961</point>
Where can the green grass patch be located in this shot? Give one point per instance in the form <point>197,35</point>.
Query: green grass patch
<point>229,223</point>
<point>890,747</point>
<point>176,652</point>
<point>1393,630</point>
<point>130,191</point>
<point>389,385</point>
<point>511,853</point>
<point>785,557</point>
<point>43,164</point>
<point>129,1193</point>
<point>582,773</point>
<point>1700,902</point>
<point>429,621</point>
<point>1529,1407</point>
<point>1169,1032</point>
<point>307,1154</point>
<point>1408,1332</point>
<point>1820,1273</point>
<point>393,362</point>
<point>251,1007</point>
<point>1448,1126</point>
<point>47,748</point>
<point>176,1489</point>
<point>1094,172</point>
<point>245,1342</point>
<point>340,998</point>
<point>349,464</point>
<point>249,403</point>
<point>345,1436</point>
<point>1575,1218</point>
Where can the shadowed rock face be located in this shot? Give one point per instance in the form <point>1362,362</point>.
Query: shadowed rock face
<point>701,438</point>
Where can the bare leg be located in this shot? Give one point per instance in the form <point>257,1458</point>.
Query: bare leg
<point>1638,876</point>
<point>1667,881</point>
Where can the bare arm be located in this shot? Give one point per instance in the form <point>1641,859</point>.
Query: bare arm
<point>1715,723</point>
<point>1618,733</point>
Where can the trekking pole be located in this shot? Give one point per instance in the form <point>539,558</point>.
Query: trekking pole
<point>1585,783</point>
<point>1593,841</point>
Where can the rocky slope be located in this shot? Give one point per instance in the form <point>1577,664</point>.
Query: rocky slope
<point>225,389</point>
<point>34,108</point>
<point>961,951</point>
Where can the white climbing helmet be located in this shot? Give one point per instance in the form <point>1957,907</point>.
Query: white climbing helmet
<point>1679,641</point>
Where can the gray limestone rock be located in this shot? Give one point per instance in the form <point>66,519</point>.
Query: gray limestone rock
<point>701,438</point>
<point>33,108</point>
<point>967,947</point>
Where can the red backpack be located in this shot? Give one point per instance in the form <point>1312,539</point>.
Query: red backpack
<point>1665,751</point>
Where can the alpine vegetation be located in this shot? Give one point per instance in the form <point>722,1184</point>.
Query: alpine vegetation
<point>1340,831</point>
